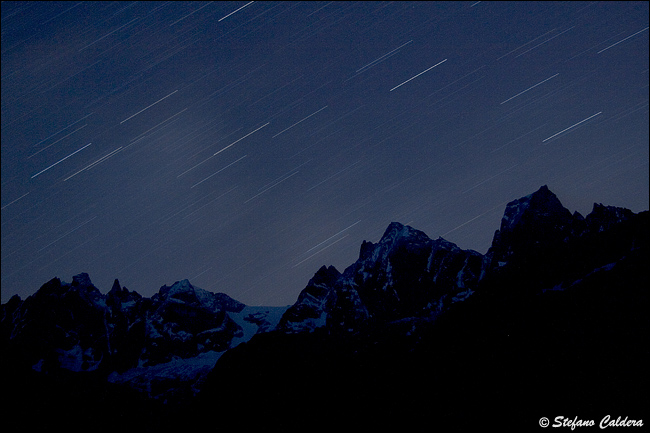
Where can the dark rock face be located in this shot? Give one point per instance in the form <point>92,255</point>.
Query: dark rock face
<point>63,327</point>
<point>310,310</point>
<point>404,275</point>
<point>530,223</point>
<point>542,243</point>
<point>184,321</point>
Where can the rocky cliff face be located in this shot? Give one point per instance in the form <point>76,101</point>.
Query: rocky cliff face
<point>404,275</point>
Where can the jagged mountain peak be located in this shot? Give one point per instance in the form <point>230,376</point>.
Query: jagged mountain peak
<point>541,204</point>
<point>395,236</point>
<point>128,338</point>
<point>80,290</point>
<point>178,289</point>
<point>120,297</point>
<point>404,274</point>
<point>408,273</point>
<point>183,292</point>
<point>397,232</point>
<point>533,221</point>
<point>82,280</point>
<point>116,288</point>
<point>325,275</point>
<point>539,220</point>
<point>602,217</point>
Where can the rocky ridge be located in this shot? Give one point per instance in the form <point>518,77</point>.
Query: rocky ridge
<point>413,317</point>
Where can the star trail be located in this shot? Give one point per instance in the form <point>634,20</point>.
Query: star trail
<point>242,145</point>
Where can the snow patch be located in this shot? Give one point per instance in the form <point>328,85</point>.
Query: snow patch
<point>461,296</point>
<point>256,319</point>
<point>178,369</point>
<point>38,366</point>
<point>77,359</point>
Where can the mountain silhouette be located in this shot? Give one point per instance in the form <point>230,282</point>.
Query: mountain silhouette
<point>417,335</point>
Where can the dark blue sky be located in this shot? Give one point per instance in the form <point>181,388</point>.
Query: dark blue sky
<point>243,145</point>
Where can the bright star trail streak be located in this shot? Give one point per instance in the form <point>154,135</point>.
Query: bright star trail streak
<point>622,40</point>
<point>572,126</point>
<point>426,70</point>
<point>230,139</point>
<point>61,160</point>
<point>221,19</point>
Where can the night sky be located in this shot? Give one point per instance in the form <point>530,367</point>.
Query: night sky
<point>243,145</point>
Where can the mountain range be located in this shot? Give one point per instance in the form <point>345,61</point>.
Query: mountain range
<point>417,335</point>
